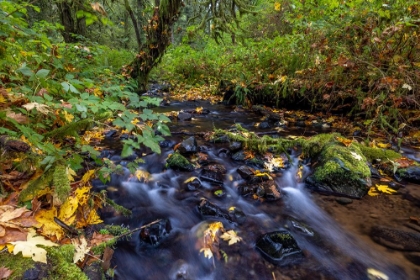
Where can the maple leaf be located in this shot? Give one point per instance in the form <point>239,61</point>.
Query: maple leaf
<point>356,156</point>
<point>88,175</point>
<point>42,108</point>
<point>68,210</point>
<point>81,247</point>
<point>373,191</point>
<point>231,236</point>
<point>207,252</point>
<point>82,194</point>
<point>344,141</point>
<point>29,247</point>
<point>142,175</point>
<point>385,189</point>
<point>11,218</point>
<point>70,173</point>
<point>5,272</point>
<point>49,226</point>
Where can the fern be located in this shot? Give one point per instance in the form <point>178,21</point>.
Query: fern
<point>70,129</point>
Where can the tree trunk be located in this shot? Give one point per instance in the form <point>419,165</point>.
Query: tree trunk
<point>158,38</point>
<point>72,25</point>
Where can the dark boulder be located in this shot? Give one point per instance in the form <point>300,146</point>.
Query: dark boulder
<point>245,172</point>
<point>183,116</point>
<point>179,162</point>
<point>410,174</point>
<point>341,171</point>
<point>192,184</point>
<point>188,146</point>
<point>235,146</point>
<point>214,173</point>
<point>279,247</point>
<point>396,238</point>
<point>210,210</point>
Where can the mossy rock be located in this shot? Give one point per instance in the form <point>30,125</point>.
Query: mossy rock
<point>410,174</point>
<point>178,161</point>
<point>341,171</point>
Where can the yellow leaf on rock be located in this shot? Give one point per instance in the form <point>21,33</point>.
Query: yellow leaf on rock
<point>29,247</point>
<point>49,227</point>
<point>88,175</point>
<point>82,195</point>
<point>70,173</point>
<point>207,252</point>
<point>231,236</point>
<point>68,210</point>
<point>93,218</point>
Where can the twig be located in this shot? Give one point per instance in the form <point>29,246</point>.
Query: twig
<point>136,229</point>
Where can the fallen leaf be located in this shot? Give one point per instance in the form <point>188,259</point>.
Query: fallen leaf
<point>49,226</point>
<point>207,252</point>
<point>344,141</point>
<point>42,108</point>
<point>29,247</point>
<point>98,238</point>
<point>88,175</point>
<point>231,236</point>
<point>373,191</point>
<point>81,247</point>
<point>356,156</point>
<point>5,272</point>
<point>18,117</point>
<point>68,210</point>
<point>82,195</point>
<point>385,189</point>
<point>70,174</point>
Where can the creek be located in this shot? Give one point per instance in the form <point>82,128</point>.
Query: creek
<point>327,250</point>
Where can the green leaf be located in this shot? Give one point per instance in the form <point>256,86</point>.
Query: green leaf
<point>43,73</point>
<point>66,86</point>
<point>127,150</point>
<point>26,71</point>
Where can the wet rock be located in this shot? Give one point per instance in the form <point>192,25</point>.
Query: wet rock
<point>221,139</point>
<point>266,190</point>
<point>264,125</point>
<point>166,144</point>
<point>180,271</point>
<point>111,133</point>
<point>259,178</point>
<point>411,174</point>
<point>223,152</point>
<point>396,238</point>
<point>237,215</point>
<point>279,247</point>
<point>255,162</point>
<point>341,171</point>
<point>93,271</point>
<point>214,173</point>
<point>344,200</point>
<point>210,210</point>
<point>235,146</point>
<point>374,172</point>
<point>179,162</point>
<point>182,116</point>
<point>296,225</point>
<point>219,192</point>
<point>413,257</point>
<point>155,233</point>
<point>245,172</point>
<point>39,271</point>
<point>188,146</point>
<point>192,184</point>
<point>239,156</point>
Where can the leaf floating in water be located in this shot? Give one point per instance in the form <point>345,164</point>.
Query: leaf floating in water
<point>231,236</point>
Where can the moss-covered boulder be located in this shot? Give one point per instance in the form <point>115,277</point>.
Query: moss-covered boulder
<point>411,174</point>
<point>178,161</point>
<point>341,171</point>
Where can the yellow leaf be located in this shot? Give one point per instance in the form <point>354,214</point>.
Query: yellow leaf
<point>344,141</point>
<point>214,227</point>
<point>277,6</point>
<point>231,236</point>
<point>189,180</point>
<point>373,192</point>
<point>383,145</point>
<point>142,175</point>
<point>93,218</point>
<point>70,173</point>
<point>88,175</point>
<point>2,246</point>
<point>68,117</point>
<point>81,247</point>
<point>2,99</point>
<point>385,189</point>
<point>68,210</point>
<point>29,247</point>
<point>49,227</point>
<point>10,247</point>
<point>207,252</point>
<point>82,194</point>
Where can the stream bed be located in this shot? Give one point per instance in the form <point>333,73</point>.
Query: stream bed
<point>327,239</point>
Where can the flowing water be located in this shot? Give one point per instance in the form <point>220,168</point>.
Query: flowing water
<point>329,251</point>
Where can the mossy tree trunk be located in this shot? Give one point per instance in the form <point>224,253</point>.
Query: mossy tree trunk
<point>158,38</point>
<point>72,24</point>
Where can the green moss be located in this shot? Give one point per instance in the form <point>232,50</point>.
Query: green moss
<point>70,129</point>
<point>377,153</point>
<point>178,161</point>
<point>61,182</point>
<point>16,263</point>
<point>36,185</point>
<point>313,146</point>
<point>62,267</point>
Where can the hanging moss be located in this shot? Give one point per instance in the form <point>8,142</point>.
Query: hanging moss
<point>37,185</point>
<point>61,182</point>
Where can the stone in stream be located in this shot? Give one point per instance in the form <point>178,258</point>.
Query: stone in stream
<point>192,184</point>
<point>279,247</point>
<point>267,190</point>
<point>235,146</point>
<point>341,171</point>
<point>210,210</point>
<point>178,161</point>
<point>182,116</point>
<point>245,172</point>
<point>188,146</point>
<point>214,173</point>
<point>396,239</point>
<point>411,174</point>
<point>153,234</point>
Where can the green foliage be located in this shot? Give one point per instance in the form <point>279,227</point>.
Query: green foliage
<point>16,263</point>
<point>62,266</point>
